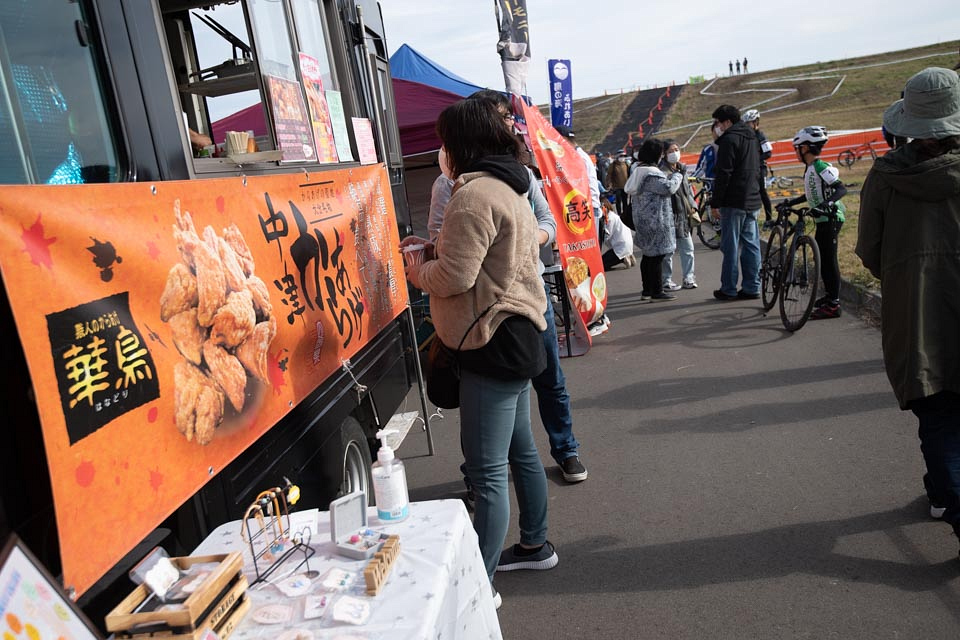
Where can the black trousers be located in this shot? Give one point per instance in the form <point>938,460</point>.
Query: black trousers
<point>826,237</point>
<point>651,272</point>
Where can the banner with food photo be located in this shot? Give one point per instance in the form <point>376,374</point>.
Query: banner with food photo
<point>567,189</point>
<point>169,325</point>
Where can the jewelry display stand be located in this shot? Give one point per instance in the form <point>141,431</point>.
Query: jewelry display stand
<point>269,511</point>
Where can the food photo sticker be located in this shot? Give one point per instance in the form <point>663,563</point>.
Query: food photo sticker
<point>577,275</point>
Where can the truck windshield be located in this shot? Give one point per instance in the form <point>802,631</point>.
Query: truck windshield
<point>53,119</point>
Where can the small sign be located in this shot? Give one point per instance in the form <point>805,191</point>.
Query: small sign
<point>339,119</point>
<point>294,133</point>
<point>366,147</point>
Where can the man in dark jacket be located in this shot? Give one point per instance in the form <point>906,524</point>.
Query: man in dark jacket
<point>736,194</point>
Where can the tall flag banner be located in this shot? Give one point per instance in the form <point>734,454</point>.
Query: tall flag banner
<point>567,188</point>
<point>167,326</point>
<point>514,43</point>
<point>561,93</point>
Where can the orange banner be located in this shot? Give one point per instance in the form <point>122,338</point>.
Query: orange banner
<point>567,188</point>
<point>167,326</point>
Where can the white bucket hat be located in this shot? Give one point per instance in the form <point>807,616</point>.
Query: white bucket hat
<point>930,107</point>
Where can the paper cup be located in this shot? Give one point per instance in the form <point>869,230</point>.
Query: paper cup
<point>413,254</point>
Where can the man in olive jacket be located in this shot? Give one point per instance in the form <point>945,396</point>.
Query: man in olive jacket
<point>909,238</point>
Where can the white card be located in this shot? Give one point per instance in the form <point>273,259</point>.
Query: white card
<point>314,606</point>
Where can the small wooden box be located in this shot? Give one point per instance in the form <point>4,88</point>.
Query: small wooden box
<point>218,604</point>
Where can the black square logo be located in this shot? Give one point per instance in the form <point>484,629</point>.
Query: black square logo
<point>103,366</point>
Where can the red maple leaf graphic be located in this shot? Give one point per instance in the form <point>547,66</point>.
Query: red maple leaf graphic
<point>153,250</point>
<point>35,244</point>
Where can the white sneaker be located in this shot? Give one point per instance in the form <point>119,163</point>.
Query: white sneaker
<point>689,284</point>
<point>671,286</point>
<point>598,327</point>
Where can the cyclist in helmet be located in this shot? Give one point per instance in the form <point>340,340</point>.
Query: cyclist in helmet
<point>752,118</point>
<point>822,190</point>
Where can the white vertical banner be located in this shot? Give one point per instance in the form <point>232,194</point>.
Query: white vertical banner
<point>513,44</point>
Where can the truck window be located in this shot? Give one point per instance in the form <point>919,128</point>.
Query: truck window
<point>260,66</point>
<point>53,118</point>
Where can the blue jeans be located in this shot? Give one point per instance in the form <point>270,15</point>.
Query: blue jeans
<point>495,431</point>
<point>740,245</point>
<point>939,432</point>
<point>685,249</point>
<point>552,397</point>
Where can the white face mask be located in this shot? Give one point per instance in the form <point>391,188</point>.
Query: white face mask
<point>673,157</point>
<point>718,130</point>
<point>444,166</point>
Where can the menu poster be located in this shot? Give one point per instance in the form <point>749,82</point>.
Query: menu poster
<point>31,603</point>
<point>319,112</point>
<point>294,134</point>
<point>366,147</point>
<point>340,134</point>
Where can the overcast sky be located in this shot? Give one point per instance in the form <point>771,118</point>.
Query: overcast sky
<point>628,45</point>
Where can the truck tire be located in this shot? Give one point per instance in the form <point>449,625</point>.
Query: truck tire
<point>356,460</point>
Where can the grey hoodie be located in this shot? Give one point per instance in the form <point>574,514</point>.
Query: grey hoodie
<point>909,237</point>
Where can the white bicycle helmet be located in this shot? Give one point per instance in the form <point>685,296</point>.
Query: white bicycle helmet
<point>814,136</point>
<point>750,115</point>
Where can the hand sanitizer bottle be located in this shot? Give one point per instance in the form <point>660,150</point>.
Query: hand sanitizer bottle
<point>389,483</point>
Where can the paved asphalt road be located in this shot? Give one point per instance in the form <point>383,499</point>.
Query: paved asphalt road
<point>744,483</point>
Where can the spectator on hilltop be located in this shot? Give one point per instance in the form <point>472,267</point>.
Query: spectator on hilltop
<point>744,64</point>
<point>736,194</point>
<point>909,231</point>
<point>731,67</point>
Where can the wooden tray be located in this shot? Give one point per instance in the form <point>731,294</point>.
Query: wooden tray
<point>215,602</point>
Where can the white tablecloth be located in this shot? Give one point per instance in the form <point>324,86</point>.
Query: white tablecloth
<point>437,589</point>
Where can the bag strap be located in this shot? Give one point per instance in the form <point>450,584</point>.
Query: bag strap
<point>474,323</point>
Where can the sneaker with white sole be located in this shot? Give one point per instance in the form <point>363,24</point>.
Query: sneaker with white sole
<point>497,600</point>
<point>516,558</point>
<point>573,470</point>
<point>689,284</point>
<point>670,285</point>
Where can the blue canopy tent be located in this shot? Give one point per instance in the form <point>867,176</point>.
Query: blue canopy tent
<point>422,89</point>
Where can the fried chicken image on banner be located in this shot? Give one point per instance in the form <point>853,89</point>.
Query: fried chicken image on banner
<point>227,372</point>
<point>234,238</point>
<point>254,351</point>
<point>188,336</point>
<point>221,322</point>
<point>234,321</point>
<point>261,296</point>
<point>198,402</point>
<point>180,292</point>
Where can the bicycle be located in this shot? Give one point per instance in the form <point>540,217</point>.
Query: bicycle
<point>781,182</point>
<point>792,277</point>
<point>848,157</point>
<point>709,228</point>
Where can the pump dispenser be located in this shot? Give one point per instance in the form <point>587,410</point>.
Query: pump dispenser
<point>389,482</point>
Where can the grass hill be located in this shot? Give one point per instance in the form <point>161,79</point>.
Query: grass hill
<point>853,94</point>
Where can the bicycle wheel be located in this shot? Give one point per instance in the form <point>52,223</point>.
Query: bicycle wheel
<point>784,182</point>
<point>709,228</point>
<point>846,158</point>
<point>801,278</point>
<point>770,269</point>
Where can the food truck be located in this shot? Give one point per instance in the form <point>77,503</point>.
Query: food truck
<point>200,204</point>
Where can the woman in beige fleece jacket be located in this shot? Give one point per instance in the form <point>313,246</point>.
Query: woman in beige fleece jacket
<point>487,297</point>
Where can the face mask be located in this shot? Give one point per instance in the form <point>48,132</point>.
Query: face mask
<point>718,131</point>
<point>673,157</point>
<point>444,166</point>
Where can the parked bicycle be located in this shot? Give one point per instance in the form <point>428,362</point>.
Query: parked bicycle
<point>790,271</point>
<point>709,228</point>
<point>781,182</point>
<point>848,157</point>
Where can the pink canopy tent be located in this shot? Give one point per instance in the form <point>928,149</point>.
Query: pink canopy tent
<point>251,118</point>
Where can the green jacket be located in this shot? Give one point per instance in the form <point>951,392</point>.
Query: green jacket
<point>909,237</point>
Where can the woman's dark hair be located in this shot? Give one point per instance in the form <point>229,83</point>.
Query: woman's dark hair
<point>471,130</point>
<point>650,151</point>
<point>932,148</point>
<point>727,112</point>
<point>495,97</point>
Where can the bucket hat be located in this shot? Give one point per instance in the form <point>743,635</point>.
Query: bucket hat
<point>930,107</point>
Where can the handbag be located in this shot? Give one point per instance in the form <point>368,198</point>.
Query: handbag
<point>442,374</point>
